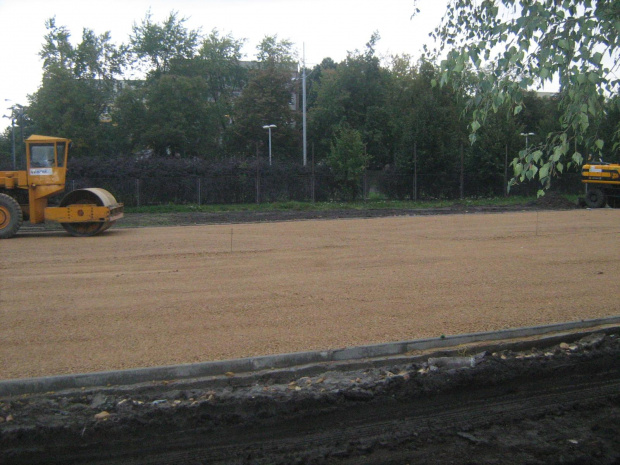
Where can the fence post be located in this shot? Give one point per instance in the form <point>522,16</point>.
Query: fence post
<point>462,174</point>
<point>257,175</point>
<point>415,171</point>
<point>199,192</point>
<point>506,173</point>
<point>313,180</point>
<point>137,192</point>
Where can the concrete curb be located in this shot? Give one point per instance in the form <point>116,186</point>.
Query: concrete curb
<point>245,365</point>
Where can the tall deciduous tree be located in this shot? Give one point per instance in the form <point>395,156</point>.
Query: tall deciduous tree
<point>271,51</point>
<point>220,63</point>
<point>354,91</point>
<point>348,159</point>
<point>77,87</point>
<point>516,45</point>
<point>177,115</point>
<point>267,100</point>
<point>156,45</point>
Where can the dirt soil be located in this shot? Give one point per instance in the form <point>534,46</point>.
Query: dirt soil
<point>149,296</point>
<point>519,404</point>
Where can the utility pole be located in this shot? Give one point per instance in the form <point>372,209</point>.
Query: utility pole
<point>462,189</point>
<point>415,171</point>
<point>303,105</point>
<point>506,173</point>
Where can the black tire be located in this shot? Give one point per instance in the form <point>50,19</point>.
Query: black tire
<point>11,217</point>
<point>595,198</point>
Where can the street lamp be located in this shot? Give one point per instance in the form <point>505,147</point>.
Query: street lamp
<point>526,134</point>
<point>270,127</point>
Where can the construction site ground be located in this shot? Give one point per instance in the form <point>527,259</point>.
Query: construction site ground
<point>150,296</point>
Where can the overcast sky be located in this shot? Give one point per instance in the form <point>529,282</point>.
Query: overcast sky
<point>328,28</point>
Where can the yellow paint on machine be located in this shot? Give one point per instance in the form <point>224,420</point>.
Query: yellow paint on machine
<point>82,212</point>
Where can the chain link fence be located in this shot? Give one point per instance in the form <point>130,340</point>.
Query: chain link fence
<point>259,188</point>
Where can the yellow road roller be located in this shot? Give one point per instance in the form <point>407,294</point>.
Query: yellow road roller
<point>24,194</point>
<point>602,182</point>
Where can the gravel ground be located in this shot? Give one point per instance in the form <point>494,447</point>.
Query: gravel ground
<point>155,296</point>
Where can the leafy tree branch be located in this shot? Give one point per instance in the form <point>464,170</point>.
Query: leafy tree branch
<point>512,46</point>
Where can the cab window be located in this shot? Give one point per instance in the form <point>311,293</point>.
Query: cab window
<point>42,156</point>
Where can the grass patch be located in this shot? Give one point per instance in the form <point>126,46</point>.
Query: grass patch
<point>324,206</point>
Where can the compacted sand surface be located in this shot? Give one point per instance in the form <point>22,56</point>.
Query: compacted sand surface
<point>167,295</point>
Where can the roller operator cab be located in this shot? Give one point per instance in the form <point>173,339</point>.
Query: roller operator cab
<point>24,195</point>
<point>602,182</point>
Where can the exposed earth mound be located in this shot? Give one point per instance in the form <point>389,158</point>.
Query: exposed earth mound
<point>529,402</point>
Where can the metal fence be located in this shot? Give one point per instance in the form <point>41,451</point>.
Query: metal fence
<point>244,188</point>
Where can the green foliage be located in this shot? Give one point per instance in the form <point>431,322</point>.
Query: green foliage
<point>186,110</point>
<point>95,57</point>
<point>156,45</point>
<point>200,101</point>
<point>78,84</point>
<point>320,206</point>
<point>355,92</point>
<point>424,116</point>
<point>177,115</point>
<point>271,51</point>
<point>516,45</point>
<point>264,101</point>
<point>67,107</point>
<point>348,159</point>
<point>219,63</point>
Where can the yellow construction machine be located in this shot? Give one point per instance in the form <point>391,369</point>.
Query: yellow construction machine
<point>602,182</point>
<point>24,194</point>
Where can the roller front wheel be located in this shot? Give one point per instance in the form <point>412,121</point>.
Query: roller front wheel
<point>93,196</point>
<point>11,217</point>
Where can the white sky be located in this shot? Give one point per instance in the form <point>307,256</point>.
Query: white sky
<point>328,28</point>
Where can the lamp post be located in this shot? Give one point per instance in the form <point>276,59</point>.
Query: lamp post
<point>527,134</point>
<point>269,127</point>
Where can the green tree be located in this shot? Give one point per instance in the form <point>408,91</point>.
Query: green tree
<point>68,107</point>
<point>576,42</point>
<point>267,100</point>
<point>187,99</point>
<point>426,117</point>
<point>354,91</point>
<point>271,51</point>
<point>95,57</point>
<point>77,88</point>
<point>156,45</point>
<point>6,149</point>
<point>348,159</point>
<point>129,116</point>
<point>264,101</point>
<point>177,116</point>
<point>221,66</point>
